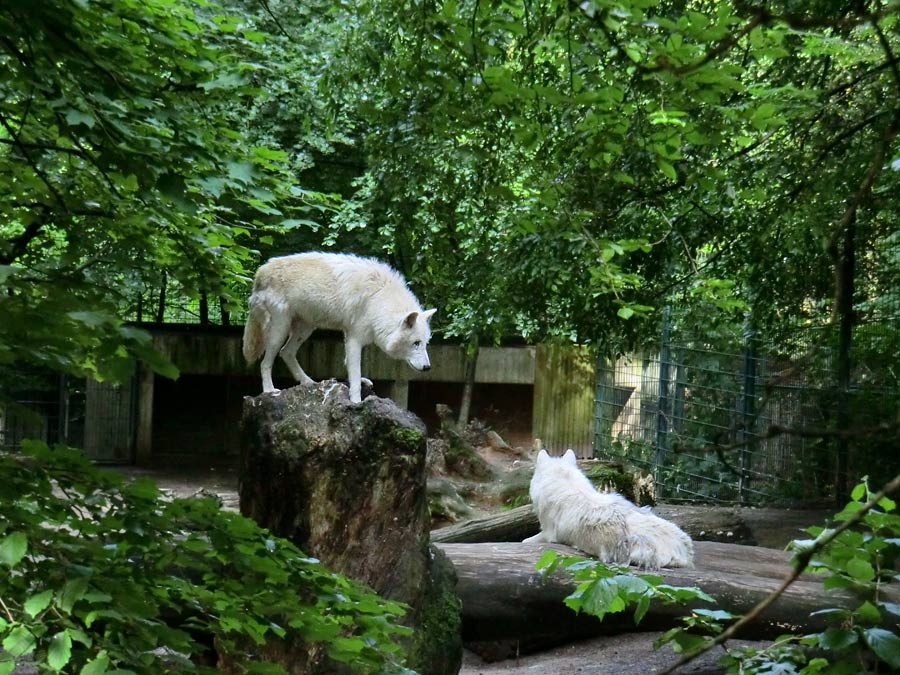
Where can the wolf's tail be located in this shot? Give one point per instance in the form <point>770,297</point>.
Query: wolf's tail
<point>253,331</point>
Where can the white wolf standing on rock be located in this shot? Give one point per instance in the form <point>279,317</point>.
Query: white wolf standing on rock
<point>602,524</point>
<point>368,300</point>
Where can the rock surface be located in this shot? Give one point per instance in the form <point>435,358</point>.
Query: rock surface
<point>346,483</point>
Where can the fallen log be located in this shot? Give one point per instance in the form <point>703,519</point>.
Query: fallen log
<point>700,522</point>
<point>513,525</point>
<point>509,608</point>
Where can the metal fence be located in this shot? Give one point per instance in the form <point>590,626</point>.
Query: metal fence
<point>747,427</point>
<point>42,406</point>
<point>161,305</point>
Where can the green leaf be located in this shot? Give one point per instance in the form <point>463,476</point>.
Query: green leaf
<point>7,664</point>
<point>242,172</point>
<point>868,613</point>
<point>72,592</point>
<point>859,492</point>
<point>19,642</point>
<point>625,312</point>
<point>93,319</point>
<point>887,504</point>
<point>667,168</point>
<point>76,117</point>
<point>38,603</point>
<point>837,639</point>
<point>860,569</point>
<point>13,548</point>
<point>885,645</point>
<point>98,665</point>
<point>643,604</point>
<point>548,561</point>
<point>60,650</point>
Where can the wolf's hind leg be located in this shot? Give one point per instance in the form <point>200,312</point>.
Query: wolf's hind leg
<point>299,333</point>
<point>276,332</point>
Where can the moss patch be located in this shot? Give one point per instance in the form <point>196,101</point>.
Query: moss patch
<point>437,644</point>
<point>606,476</point>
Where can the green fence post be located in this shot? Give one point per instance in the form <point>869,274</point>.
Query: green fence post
<point>662,421</point>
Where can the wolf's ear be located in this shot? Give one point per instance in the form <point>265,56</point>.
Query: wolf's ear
<point>542,456</point>
<point>410,319</point>
<point>570,457</point>
<point>428,313</point>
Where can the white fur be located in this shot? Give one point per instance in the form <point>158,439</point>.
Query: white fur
<point>603,524</point>
<point>369,301</point>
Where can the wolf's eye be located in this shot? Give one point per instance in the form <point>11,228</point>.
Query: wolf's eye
<point>417,343</point>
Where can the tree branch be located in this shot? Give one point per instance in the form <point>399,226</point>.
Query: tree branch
<point>759,16</point>
<point>20,243</point>
<point>274,18</point>
<point>43,146</point>
<point>37,170</point>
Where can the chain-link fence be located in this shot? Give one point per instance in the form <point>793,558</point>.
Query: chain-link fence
<point>753,427</point>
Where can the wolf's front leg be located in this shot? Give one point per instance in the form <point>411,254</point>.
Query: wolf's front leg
<point>540,537</point>
<point>353,350</point>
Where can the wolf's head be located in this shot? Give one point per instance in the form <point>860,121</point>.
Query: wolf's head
<point>409,341</point>
<point>544,459</point>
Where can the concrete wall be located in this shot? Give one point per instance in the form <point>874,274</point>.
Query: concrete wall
<point>199,414</point>
<point>198,353</point>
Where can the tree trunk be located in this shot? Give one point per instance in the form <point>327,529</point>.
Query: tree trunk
<point>161,308</point>
<point>509,607</point>
<point>465,404</point>
<point>204,308</point>
<point>346,483</point>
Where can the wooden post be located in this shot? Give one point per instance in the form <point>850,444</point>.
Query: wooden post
<point>143,441</point>
<point>399,393</point>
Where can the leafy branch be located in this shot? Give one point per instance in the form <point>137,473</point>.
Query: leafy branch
<point>800,564</point>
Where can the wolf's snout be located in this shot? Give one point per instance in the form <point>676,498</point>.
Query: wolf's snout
<point>427,366</point>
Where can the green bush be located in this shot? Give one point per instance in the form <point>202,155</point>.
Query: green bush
<point>107,575</point>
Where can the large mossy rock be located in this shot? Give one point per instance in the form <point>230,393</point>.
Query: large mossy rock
<point>346,483</point>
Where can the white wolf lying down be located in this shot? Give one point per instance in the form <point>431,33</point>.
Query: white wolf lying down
<point>602,524</point>
<point>369,301</point>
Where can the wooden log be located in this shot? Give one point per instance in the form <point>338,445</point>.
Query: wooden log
<point>513,525</point>
<point>507,604</point>
<point>700,522</point>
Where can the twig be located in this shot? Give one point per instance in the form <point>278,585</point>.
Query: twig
<point>801,562</point>
<point>274,18</point>
<point>8,613</point>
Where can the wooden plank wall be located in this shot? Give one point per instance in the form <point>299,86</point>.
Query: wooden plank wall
<point>564,398</point>
<point>109,421</point>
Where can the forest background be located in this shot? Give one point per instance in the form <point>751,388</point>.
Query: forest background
<point>550,170</point>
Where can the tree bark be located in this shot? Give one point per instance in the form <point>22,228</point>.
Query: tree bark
<point>346,483</point>
<point>161,307</point>
<point>204,308</point>
<point>465,404</point>
<point>508,607</point>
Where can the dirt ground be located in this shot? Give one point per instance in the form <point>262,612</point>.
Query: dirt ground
<point>628,654</point>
